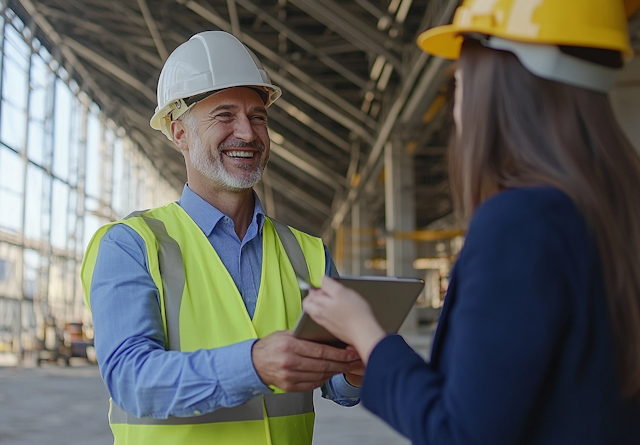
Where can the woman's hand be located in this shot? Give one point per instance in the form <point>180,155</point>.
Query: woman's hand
<point>344,313</point>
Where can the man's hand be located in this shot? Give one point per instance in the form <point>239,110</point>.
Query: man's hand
<point>356,374</point>
<point>296,365</point>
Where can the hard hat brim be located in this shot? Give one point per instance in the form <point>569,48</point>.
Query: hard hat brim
<point>156,122</point>
<point>446,41</point>
<point>442,41</point>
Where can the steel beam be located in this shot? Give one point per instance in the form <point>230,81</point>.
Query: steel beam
<point>304,156</point>
<point>303,43</point>
<point>343,23</point>
<point>321,106</point>
<point>306,133</point>
<point>153,29</point>
<point>110,67</point>
<point>209,14</point>
<point>67,53</point>
<point>305,119</point>
<point>321,174</point>
<point>233,18</point>
<point>296,194</point>
<point>372,163</point>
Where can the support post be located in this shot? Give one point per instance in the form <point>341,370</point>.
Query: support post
<point>400,217</point>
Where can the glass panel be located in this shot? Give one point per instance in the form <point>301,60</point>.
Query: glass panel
<point>71,218</point>
<point>56,291</point>
<point>31,273</point>
<point>93,155</point>
<point>14,89</point>
<point>11,183</point>
<point>60,201</point>
<point>62,130</point>
<point>9,283</point>
<point>91,221</point>
<point>117,176</point>
<point>13,123</point>
<point>41,83</point>
<point>40,111</point>
<point>16,49</point>
<point>36,224</point>
<point>44,53</point>
<point>35,149</point>
<point>74,143</point>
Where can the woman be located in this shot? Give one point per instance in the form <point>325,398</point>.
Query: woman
<point>539,338</point>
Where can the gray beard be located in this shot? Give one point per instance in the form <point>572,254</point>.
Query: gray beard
<point>213,168</point>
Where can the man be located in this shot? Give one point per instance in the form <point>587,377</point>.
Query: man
<point>193,302</point>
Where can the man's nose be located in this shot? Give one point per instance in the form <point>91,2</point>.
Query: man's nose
<point>243,129</point>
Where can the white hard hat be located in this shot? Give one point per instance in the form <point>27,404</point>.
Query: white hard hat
<point>209,61</point>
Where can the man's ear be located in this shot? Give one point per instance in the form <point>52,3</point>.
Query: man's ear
<point>179,133</point>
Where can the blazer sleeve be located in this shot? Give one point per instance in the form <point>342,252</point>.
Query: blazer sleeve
<point>501,342</point>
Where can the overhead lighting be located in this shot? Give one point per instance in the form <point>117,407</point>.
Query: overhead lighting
<point>384,77</point>
<point>384,22</point>
<point>366,104</point>
<point>376,69</point>
<point>393,6</point>
<point>295,112</point>
<point>403,10</point>
<point>276,137</point>
<point>431,263</point>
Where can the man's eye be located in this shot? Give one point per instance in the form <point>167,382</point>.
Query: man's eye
<point>224,116</point>
<point>259,118</point>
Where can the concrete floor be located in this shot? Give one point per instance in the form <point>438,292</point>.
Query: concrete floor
<point>56,405</point>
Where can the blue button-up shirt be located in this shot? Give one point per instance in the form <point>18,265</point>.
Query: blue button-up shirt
<point>141,376</point>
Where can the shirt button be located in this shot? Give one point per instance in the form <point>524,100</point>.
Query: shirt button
<point>197,412</point>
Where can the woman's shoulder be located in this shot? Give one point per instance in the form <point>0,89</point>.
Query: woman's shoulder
<point>527,205</point>
<point>527,199</point>
<point>544,213</point>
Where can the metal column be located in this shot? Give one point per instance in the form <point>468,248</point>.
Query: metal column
<point>400,216</point>
<point>361,236</point>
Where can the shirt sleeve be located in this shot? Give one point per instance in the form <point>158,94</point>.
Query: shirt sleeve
<point>501,339</point>
<point>141,376</point>
<point>340,391</point>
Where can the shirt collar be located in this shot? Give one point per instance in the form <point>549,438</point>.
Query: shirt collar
<point>207,216</point>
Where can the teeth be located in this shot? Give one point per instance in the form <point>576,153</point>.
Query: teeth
<point>240,154</point>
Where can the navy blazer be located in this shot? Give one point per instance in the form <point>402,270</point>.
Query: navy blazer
<point>523,353</point>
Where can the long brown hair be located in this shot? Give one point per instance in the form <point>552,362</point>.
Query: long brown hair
<point>520,130</point>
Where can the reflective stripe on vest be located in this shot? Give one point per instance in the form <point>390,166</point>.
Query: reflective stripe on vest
<point>173,279</point>
<point>172,273</point>
<point>277,405</point>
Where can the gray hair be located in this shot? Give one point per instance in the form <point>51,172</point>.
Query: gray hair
<point>189,119</point>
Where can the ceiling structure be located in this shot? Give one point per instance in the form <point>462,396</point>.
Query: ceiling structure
<point>352,78</point>
<point>353,81</point>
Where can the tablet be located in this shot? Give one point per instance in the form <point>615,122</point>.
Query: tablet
<point>391,299</point>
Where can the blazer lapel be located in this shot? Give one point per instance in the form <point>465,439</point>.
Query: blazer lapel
<point>444,317</point>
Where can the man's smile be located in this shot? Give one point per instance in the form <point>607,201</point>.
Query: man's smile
<point>240,154</point>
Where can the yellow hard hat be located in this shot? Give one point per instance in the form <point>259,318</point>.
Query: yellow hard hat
<point>585,23</point>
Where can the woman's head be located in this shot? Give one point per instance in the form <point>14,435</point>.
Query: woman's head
<point>515,128</point>
<point>524,121</point>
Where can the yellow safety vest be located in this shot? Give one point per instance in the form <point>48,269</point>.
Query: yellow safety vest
<point>192,270</point>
